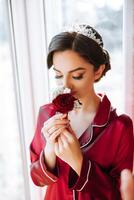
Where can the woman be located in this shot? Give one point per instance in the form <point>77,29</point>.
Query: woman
<point>80,155</point>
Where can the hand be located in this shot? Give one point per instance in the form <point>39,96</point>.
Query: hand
<point>127,185</point>
<point>68,149</point>
<point>52,128</point>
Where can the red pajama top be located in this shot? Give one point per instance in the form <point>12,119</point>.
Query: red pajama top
<point>107,146</point>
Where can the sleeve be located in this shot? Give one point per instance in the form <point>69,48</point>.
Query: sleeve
<point>40,175</point>
<point>92,172</point>
<point>125,153</point>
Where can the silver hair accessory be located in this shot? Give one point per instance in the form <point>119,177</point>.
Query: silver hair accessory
<point>88,31</point>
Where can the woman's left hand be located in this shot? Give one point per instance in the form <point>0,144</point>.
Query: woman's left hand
<point>68,149</point>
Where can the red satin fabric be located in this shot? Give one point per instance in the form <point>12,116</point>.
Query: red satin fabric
<point>107,147</point>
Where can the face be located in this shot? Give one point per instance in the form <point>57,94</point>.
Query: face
<point>74,72</point>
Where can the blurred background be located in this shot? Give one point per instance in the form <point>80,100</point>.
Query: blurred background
<point>26,28</point>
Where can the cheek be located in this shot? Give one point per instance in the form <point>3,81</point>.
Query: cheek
<point>86,84</point>
<point>81,88</point>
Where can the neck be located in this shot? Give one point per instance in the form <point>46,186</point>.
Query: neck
<point>90,103</point>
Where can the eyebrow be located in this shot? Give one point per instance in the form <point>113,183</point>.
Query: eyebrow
<point>74,70</point>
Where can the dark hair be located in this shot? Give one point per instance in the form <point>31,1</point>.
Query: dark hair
<point>86,47</point>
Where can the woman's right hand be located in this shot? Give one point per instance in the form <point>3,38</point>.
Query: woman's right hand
<point>52,128</point>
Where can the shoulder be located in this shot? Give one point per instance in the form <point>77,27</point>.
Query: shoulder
<point>121,128</point>
<point>46,111</point>
<point>124,120</point>
<point>48,107</point>
<point>123,125</point>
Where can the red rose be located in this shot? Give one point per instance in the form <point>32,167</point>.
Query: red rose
<point>64,102</point>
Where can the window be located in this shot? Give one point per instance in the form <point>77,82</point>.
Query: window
<point>11,173</point>
<point>103,16</point>
<point>24,89</point>
<point>24,74</point>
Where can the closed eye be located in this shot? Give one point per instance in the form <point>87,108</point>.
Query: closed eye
<point>74,77</point>
<point>58,77</point>
<point>78,77</point>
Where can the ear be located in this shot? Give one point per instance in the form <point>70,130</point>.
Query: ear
<point>99,72</point>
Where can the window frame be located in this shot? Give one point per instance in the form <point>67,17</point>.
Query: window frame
<point>28,52</point>
<point>29,48</point>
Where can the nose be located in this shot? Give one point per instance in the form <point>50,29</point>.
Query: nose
<point>66,83</point>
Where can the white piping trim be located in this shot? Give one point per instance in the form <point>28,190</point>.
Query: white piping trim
<point>95,125</point>
<point>87,177</point>
<point>91,127</point>
<point>96,139</point>
<point>89,139</point>
<point>44,170</point>
<point>74,195</point>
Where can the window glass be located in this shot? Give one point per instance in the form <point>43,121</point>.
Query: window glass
<point>107,17</point>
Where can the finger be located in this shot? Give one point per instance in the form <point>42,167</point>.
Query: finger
<point>45,132</point>
<point>64,140</point>
<point>60,116</point>
<point>54,124</point>
<point>57,133</point>
<point>60,145</point>
<point>68,135</point>
<point>61,121</point>
<point>55,128</point>
<point>53,132</point>
<point>56,148</point>
<point>56,121</point>
<point>54,117</point>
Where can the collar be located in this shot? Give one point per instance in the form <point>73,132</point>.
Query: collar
<point>102,116</point>
<point>103,113</point>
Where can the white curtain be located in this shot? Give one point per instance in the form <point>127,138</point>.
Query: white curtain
<point>28,47</point>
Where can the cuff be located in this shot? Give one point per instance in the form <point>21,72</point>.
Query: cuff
<point>78,182</point>
<point>33,155</point>
<point>47,173</point>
